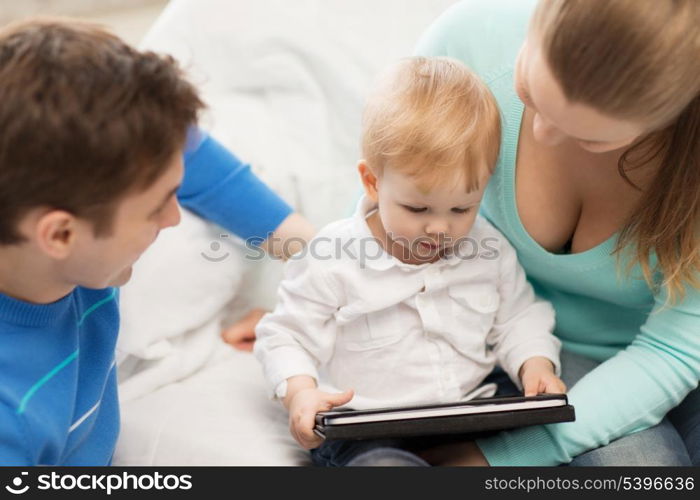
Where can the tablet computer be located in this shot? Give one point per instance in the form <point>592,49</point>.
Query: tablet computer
<point>467,417</point>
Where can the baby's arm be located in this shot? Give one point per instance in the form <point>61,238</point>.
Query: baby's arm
<point>298,337</point>
<point>522,336</point>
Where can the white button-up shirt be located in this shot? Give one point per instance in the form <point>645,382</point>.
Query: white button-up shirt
<point>352,316</point>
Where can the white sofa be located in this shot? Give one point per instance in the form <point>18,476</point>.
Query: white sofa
<point>285,82</point>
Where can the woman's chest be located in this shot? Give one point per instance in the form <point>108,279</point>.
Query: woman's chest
<point>570,201</point>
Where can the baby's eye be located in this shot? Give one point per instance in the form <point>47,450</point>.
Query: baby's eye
<point>414,210</point>
<point>461,210</point>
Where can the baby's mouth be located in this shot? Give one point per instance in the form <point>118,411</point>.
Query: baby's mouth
<point>429,246</point>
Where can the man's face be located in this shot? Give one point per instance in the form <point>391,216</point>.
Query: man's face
<point>99,262</point>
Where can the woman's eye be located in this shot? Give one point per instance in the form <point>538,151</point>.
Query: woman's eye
<point>415,210</point>
<point>461,210</point>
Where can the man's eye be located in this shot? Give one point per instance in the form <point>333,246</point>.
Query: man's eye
<point>415,210</point>
<point>461,210</point>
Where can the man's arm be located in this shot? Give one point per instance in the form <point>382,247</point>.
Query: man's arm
<point>219,187</point>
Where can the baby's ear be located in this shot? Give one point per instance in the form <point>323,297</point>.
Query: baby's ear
<point>369,180</point>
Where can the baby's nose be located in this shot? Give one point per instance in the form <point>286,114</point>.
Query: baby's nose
<point>437,228</point>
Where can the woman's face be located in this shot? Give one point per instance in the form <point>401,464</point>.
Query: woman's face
<point>555,118</point>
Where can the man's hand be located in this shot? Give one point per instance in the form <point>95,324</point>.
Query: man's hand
<point>241,334</point>
<point>537,376</point>
<point>290,237</point>
<point>303,407</point>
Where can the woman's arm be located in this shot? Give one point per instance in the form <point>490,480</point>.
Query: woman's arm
<point>630,392</point>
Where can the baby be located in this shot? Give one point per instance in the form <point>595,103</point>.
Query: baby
<point>416,298</point>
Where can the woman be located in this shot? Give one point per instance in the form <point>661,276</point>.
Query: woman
<point>598,189</point>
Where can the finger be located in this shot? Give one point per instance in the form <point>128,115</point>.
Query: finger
<point>297,425</point>
<point>305,429</point>
<point>553,385</point>
<point>293,431</point>
<point>340,398</point>
<point>313,442</point>
<point>530,386</point>
<point>556,386</point>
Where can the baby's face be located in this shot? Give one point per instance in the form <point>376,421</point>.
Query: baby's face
<point>426,223</point>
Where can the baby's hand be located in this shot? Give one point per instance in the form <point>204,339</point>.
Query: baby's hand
<point>303,408</point>
<point>537,376</point>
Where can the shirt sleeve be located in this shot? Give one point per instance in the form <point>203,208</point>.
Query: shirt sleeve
<point>629,392</point>
<point>524,324</point>
<point>298,335</point>
<point>13,446</point>
<point>219,187</point>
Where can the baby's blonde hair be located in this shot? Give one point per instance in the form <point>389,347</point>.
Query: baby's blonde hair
<point>434,120</point>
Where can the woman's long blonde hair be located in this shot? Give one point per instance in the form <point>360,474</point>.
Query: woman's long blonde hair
<point>640,60</point>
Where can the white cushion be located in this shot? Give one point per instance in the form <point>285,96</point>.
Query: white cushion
<point>218,416</point>
<point>175,288</point>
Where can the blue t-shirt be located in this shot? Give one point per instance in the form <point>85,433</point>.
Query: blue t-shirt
<point>58,384</point>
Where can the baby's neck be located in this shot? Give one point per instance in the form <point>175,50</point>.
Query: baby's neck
<point>29,279</point>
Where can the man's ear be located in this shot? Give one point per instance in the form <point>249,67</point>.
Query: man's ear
<point>56,233</point>
<point>369,180</point>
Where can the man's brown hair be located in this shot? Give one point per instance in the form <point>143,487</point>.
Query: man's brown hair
<point>85,119</point>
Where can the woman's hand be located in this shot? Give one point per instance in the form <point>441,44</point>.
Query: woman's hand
<point>537,376</point>
<point>241,334</point>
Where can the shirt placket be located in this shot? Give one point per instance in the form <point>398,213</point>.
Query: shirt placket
<point>433,323</point>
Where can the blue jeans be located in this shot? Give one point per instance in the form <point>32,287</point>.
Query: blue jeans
<point>673,442</point>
